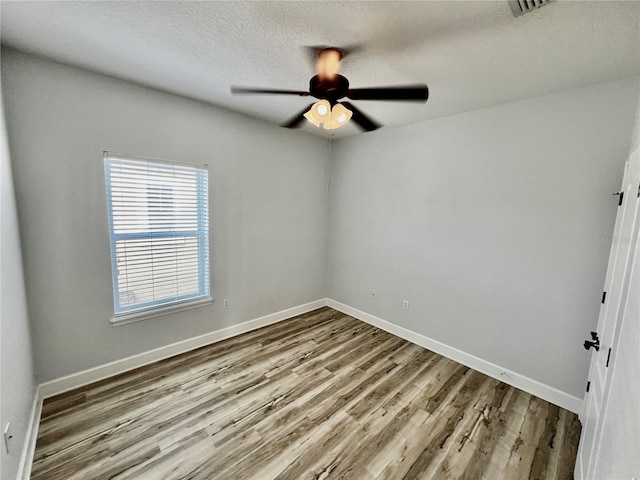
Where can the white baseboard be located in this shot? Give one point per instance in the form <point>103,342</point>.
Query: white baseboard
<point>29,447</point>
<point>85,377</point>
<point>546,392</point>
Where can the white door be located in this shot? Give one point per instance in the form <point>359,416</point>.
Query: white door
<point>618,456</point>
<point>617,288</point>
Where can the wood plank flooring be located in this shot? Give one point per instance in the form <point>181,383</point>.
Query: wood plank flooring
<point>320,396</point>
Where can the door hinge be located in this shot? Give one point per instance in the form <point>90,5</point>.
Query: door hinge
<point>604,295</point>
<point>621,197</point>
<point>608,358</point>
<point>588,385</point>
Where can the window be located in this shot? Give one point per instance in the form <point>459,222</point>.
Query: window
<point>159,235</point>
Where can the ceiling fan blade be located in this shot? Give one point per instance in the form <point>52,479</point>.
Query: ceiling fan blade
<point>296,121</point>
<point>242,90</point>
<point>361,119</point>
<point>414,93</point>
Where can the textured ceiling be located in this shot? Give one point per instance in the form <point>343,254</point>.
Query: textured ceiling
<point>472,54</point>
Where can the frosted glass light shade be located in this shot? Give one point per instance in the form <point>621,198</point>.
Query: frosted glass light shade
<point>309,116</point>
<point>339,116</point>
<point>320,112</point>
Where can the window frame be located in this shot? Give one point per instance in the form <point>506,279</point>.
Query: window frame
<point>160,307</point>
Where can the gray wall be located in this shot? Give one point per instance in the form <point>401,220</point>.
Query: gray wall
<point>493,224</point>
<point>17,383</point>
<point>268,208</point>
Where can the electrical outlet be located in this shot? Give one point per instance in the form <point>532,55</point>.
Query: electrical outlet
<point>405,304</point>
<point>373,293</point>
<point>226,303</point>
<point>7,436</point>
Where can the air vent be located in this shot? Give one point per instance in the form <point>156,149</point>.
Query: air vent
<point>520,7</point>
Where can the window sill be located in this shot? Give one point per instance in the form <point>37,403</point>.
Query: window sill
<point>159,312</point>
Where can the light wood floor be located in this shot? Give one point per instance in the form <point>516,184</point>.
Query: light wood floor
<point>320,396</point>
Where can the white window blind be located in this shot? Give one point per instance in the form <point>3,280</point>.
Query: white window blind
<point>158,231</point>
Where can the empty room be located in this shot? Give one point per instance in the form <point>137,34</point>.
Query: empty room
<point>320,240</point>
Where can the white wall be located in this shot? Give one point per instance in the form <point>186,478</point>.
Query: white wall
<point>268,208</point>
<point>17,383</point>
<point>492,223</point>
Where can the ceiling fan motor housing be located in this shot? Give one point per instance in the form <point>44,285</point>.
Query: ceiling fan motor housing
<point>331,90</point>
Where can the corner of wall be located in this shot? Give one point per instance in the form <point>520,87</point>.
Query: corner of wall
<point>18,387</point>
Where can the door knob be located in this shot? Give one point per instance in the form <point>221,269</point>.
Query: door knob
<point>595,342</point>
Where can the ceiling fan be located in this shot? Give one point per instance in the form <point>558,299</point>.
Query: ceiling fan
<point>329,87</point>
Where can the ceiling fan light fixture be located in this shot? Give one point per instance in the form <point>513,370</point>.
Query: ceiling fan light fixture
<point>330,118</point>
